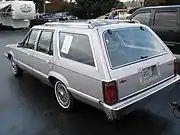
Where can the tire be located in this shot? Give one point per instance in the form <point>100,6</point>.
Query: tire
<point>15,69</point>
<point>64,97</point>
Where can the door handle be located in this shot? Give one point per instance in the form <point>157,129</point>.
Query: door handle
<point>28,54</point>
<point>48,61</point>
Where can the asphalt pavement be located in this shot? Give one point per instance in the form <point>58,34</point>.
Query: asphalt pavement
<point>29,107</point>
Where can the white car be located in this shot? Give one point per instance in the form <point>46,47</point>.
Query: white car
<point>107,64</point>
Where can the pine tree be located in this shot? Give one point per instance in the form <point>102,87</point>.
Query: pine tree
<point>94,8</point>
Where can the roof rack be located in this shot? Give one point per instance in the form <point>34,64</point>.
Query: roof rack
<point>70,24</point>
<point>88,23</point>
<point>108,21</point>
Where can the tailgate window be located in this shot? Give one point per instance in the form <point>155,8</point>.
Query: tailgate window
<point>128,45</point>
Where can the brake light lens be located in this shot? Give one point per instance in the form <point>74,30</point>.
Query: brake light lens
<point>175,67</point>
<point>110,92</point>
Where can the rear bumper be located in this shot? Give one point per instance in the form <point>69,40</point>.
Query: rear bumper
<point>177,57</point>
<point>114,111</point>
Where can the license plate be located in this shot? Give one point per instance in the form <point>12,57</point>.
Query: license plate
<point>147,72</point>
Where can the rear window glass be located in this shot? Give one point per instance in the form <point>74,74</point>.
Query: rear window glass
<point>131,44</point>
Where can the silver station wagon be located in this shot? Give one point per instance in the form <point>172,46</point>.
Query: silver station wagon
<point>109,65</point>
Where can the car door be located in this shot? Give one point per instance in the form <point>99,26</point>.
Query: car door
<point>26,49</point>
<point>43,55</point>
<point>165,24</point>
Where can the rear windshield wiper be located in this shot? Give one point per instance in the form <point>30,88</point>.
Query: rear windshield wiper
<point>144,57</point>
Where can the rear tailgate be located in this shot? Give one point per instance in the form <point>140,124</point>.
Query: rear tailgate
<point>138,77</point>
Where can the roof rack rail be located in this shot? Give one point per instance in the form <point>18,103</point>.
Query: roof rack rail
<point>88,23</point>
<point>108,21</point>
<point>70,24</point>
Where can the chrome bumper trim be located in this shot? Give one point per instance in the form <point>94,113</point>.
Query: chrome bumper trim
<point>112,111</point>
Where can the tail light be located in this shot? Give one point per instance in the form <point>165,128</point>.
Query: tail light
<point>110,92</point>
<point>175,67</point>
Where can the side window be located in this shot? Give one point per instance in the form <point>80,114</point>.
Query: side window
<point>76,47</point>
<point>31,39</point>
<point>51,46</point>
<point>143,18</point>
<point>165,18</point>
<point>45,42</point>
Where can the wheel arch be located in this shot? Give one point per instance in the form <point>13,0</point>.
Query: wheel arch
<point>54,76</point>
<point>10,54</point>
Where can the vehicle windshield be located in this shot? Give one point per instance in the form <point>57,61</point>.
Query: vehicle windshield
<point>131,44</point>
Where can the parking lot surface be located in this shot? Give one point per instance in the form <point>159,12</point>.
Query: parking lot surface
<point>29,107</point>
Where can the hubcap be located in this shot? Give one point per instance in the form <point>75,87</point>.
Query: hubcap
<point>62,95</point>
<point>13,66</point>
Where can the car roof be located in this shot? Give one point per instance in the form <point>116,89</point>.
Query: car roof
<point>88,24</point>
<point>155,7</point>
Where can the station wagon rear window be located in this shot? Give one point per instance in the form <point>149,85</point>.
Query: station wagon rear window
<point>129,45</point>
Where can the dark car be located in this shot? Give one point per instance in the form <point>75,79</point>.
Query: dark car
<point>165,21</point>
<point>43,18</point>
<point>133,10</point>
<point>66,16</point>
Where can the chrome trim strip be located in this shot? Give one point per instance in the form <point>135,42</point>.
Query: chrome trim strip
<point>83,95</point>
<point>168,43</point>
<point>135,93</point>
<point>93,51</point>
<point>51,57</point>
<point>40,73</point>
<point>76,72</point>
<point>36,71</point>
<point>141,96</point>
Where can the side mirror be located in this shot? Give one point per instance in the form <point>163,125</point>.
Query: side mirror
<point>20,44</point>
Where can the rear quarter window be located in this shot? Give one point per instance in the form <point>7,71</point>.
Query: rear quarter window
<point>76,47</point>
